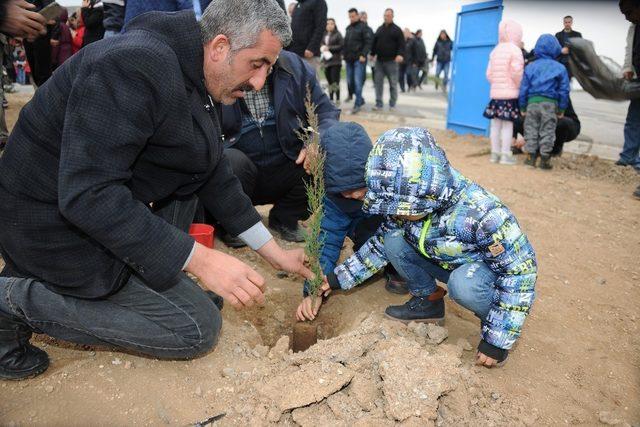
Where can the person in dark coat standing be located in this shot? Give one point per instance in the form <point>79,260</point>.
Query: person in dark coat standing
<point>388,49</point>
<point>61,47</point>
<point>38,50</point>
<point>364,17</point>
<point>357,45</point>
<point>94,212</point>
<point>332,45</point>
<point>92,15</point>
<point>420,60</point>
<point>308,24</point>
<point>442,51</point>
<point>563,38</point>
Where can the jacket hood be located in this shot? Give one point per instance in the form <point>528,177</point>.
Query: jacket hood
<point>347,147</point>
<point>548,47</point>
<point>408,174</point>
<point>510,31</point>
<point>181,32</point>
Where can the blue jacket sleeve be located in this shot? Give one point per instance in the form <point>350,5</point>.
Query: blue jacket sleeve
<point>524,91</point>
<point>333,228</point>
<point>510,255</point>
<point>564,88</point>
<point>369,259</point>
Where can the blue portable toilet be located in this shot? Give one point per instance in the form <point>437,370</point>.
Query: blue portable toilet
<point>476,36</point>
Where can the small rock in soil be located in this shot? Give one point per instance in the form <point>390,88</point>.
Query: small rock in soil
<point>128,364</point>
<point>464,344</point>
<point>609,418</point>
<point>436,333</point>
<point>281,348</point>
<point>116,361</point>
<point>282,274</point>
<point>279,315</point>
<point>48,389</point>
<point>229,373</point>
<point>198,392</point>
<point>602,281</point>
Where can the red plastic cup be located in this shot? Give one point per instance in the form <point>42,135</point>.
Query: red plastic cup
<point>203,234</point>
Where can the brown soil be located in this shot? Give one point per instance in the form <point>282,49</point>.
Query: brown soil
<point>576,363</point>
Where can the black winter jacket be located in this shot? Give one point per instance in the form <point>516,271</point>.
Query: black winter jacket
<point>357,41</point>
<point>388,42</point>
<point>419,52</point>
<point>100,141</point>
<point>336,45</point>
<point>308,24</point>
<point>93,26</point>
<point>442,49</point>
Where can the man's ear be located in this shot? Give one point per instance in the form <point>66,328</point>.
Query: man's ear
<point>218,48</point>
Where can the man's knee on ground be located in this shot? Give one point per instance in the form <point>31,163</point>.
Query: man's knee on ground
<point>203,335</point>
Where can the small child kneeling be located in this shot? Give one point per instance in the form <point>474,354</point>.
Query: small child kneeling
<point>440,225</point>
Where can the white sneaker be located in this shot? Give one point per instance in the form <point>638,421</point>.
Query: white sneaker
<point>507,159</point>
<point>495,157</point>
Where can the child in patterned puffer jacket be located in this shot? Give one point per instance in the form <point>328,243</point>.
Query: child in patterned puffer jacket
<point>440,225</point>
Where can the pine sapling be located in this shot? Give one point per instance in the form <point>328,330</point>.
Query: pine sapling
<point>314,242</point>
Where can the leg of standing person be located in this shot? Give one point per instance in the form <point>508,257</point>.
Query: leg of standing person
<point>439,68</point>
<point>630,154</point>
<point>337,77</point>
<point>359,71</point>
<point>392,73</point>
<point>548,122</point>
<point>328,76</point>
<point>506,135</point>
<point>351,82</point>
<point>445,81</point>
<point>494,136</point>
<point>402,72</point>
<point>379,83</point>
<point>532,134</point>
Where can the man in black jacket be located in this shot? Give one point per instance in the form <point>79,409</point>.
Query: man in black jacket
<point>388,48</point>
<point>308,24</point>
<point>420,59</point>
<point>357,44</point>
<point>563,38</point>
<point>93,211</point>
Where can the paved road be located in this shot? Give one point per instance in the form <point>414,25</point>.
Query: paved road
<point>602,121</point>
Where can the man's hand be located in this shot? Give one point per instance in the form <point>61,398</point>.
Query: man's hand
<point>362,59</point>
<point>484,360</point>
<point>565,50</point>
<point>560,115</point>
<point>628,75</point>
<point>308,54</point>
<point>303,160</point>
<point>227,276</point>
<point>399,59</point>
<point>308,309</point>
<point>292,260</point>
<point>22,22</point>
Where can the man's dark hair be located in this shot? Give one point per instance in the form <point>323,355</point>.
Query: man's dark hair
<point>568,17</point>
<point>353,10</point>
<point>387,9</point>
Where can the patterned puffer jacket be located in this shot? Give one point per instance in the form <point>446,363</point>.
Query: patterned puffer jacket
<point>408,174</point>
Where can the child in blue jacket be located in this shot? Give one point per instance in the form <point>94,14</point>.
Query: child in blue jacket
<point>544,96</point>
<point>440,225</point>
<point>347,148</point>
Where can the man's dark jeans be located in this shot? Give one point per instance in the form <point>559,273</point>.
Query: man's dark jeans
<point>631,150</point>
<point>281,185</point>
<point>179,323</point>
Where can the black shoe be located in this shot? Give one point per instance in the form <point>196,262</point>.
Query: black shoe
<point>231,241</point>
<point>217,299</point>
<point>18,358</point>
<point>531,160</point>
<point>395,284</point>
<point>545,163</point>
<point>621,162</point>
<point>636,193</point>
<point>429,309</point>
<point>295,235</point>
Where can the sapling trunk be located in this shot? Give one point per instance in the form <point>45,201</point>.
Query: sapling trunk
<point>314,241</point>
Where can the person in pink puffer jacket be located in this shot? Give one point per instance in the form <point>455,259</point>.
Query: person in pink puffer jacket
<point>506,66</point>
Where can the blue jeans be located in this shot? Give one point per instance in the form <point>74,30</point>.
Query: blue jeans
<point>470,285</point>
<point>440,67</point>
<point>355,79</point>
<point>631,150</point>
<point>178,323</point>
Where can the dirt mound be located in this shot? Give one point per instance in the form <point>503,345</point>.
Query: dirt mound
<point>380,373</point>
<point>596,168</point>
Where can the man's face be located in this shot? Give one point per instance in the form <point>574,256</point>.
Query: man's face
<point>228,75</point>
<point>353,17</point>
<point>388,17</point>
<point>419,34</point>
<point>568,23</point>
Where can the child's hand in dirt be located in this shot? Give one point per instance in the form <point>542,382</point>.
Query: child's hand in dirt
<point>308,308</point>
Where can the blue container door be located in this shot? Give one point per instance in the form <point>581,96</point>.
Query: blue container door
<point>476,36</point>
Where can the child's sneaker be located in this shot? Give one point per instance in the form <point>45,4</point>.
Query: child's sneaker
<point>429,309</point>
<point>531,160</point>
<point>507,159</point>
<point>495,157</point>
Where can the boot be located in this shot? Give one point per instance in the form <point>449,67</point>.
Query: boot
<point>531,160</point>
<point>545,162</point>
<point>429,309</point>
<point>18,358</point>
